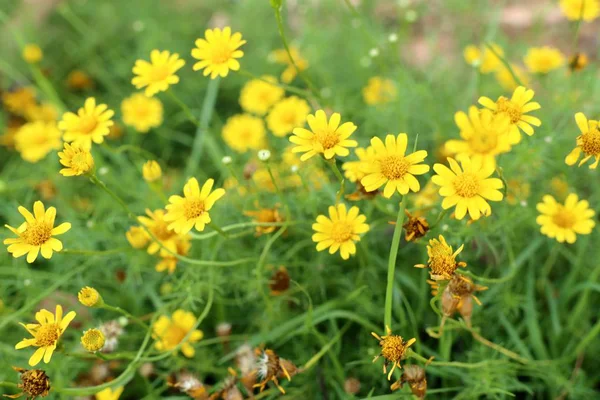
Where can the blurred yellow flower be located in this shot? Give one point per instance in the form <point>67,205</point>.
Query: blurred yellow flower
<point>517,190</point>
<point>158,74</point>
<point>467,188</point>
<point>36,139</point>
<point>89,297</point>
<point>191,210</point>
<point>35,235</point>
<point>588,142</point>
<point>286,115</point>
<point>281,56</point>
<point>218,52</point>
<point>157,224</point>
<point>507,80</point>
<point>564,221</point>
<point>426,196</point>
<point>559,186</point>
<point>32,53</point>
<point>516,109</point>
<point>76,159</point>
<point>44,112</point>
<point>392,167</point>
<point>379,91</point>
<point>20,100</point>
<point>265,216</point>
<point>110,393</point>
<point>79,80</point>
<point>442,259</point>
<point>151,171</point>
<point>340,231</point>
<point>46,333</point>
<point>142,112</point>
<point>355,170</point>
<point>485,59</point>
<point>137,237</point>
<point>244,132</point>
<point>484,135</point>
<point>586,10</point>
<point>578,62</point>
<point>257,96</point>
<point>169,262</point>
<point>325,137</point>
<point>91,123</point>
<point>93,340</point>
<point>170,332</point>
<point>543,59</point>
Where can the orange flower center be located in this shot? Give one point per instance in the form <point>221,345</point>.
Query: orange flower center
<point>327,138</point>
<point>564,218</point>
<point>79,162</point>
<point>484,143</point>
<point>47,335</point>
<point>590,142</point>
<point>392,348</point>
<point>441,260</point>
<point>37,233</point>
<point>512,110</point>
<point>467,185</point>
<point>194,208</point>
<point>161,231</point>
<point>394,167</point>
<point>88,123</point>
<point>341,231</point>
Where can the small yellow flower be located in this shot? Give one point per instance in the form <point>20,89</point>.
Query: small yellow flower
<point>218,52</point>
<point>392,167</point>
<point>91,123</point>
<point>142,112</point>
<point>34,383</point>
<point>36,139</point>
<point>110,393</point>
<point>93,340</point>
<point>507,80</point>
<point>257,96</point>
<point>32,53</point>
<point>151,171</point>
<point>516,109</point>
<point>484,134</point>
<point>79,80</point>
<point>76,159</point>
<point>325,137</point>
<point>485,59</point>
<point>137,237</point>
<point>244,132</point>
<point>379,91</point>
<point>564,221</point>
<point>442,260</point>
<point>467,188</point>
<point>164,236</point>
<point>588,142</point>
<point>340,231</point>
<point>265,216</point>
<point>355,170</point>
<point>393,349</point>
<point>158,74</point>
<point>35,235</point>
<point>20,100</point>
<point>286,115</point>
<point>191,210</point>
<point>543,59</point>
<point>169,332</point>
<point>586,10</point>
<point>281,56</point>
<point>46,333</point>
<point>44,112</point>
<point>89,297</point>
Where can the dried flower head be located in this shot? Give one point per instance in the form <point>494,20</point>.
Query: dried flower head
<point>189,384</point>
<point>416,227</point>
<point>352,386</point>
<point>280,281</point>
<point>442,261</point>
<point>89,297</point>
<point>93,340</point>
<point>416,379</point>
<point>270,367</point>
<point>33,383</point>
<point>578,61</point>
<point>111,330</point>
<point>393,349</point>
<point>457,295</point>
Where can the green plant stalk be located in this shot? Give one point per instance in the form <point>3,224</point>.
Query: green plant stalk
<point>314,359</point>
<point>506,64</point>
<point>186,110</point>
<point>389,292</point>
<point>340,194</point>
<point>126,314</point>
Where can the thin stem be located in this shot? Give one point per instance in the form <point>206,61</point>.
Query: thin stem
<point>314,359</point>
<point>338,174</point>
<point>112,194</point>
<point>280,194</point>
<point>97,252</point>
<point>228,228</point>
<point>186,110</point>
<point>389,293</point>
<point>218,230</point>
<point>126,314</point>
<point>506,63</point>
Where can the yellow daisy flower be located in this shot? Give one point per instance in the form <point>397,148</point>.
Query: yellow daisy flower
<point>218,52</point>
<point>588,142</point>
<point>483,57</point>
<point>542,60</point>
<point>90,297</point>
<point>257,96</point>
<point>286,115</point>
<point>280,56</point>
<point>392,167</point>
<point>340,231</point>
<point>35,235</point>
<point>564,221</point>
<point>142,112</point>
<point>169,332</point>
<point>164,236</point>
<point>393,349</point>
<point>158,74</point>
<point>507,80</point>
<point>467,188</point>
<point>91,123</point>
<point>110,393</point>
<point>192,210</point>
<point>379,91</point>
<point>587,10</point>
<point>36,139</point>
<point>516,109</point>
<point>442,259</point>
<point>328,138</point>
<point>93,340</point>
<point>244,132</point>
<point>46,333</point>
<point>484,134</point>
<point>20,100</point>
<point>355,170</point>
<point>32,53</point>
<point>76,159</point>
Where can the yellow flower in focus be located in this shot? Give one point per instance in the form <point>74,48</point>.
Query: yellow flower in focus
<point>110,393</point>
<point>484,134</point>
<point>379,91</point>
<point>158,226</point>
<point>170,332</point>
<point>586,10</point>
<point>218,52</point>
<point>35,235</point>
<point>325,137</point>
<point>142,112</point>
<point>44,112</point>
<point>485,59</point>
<point>20,100</point>
<point>191,210</point>
<point>340,231</point>
<point>281,56</point>
<point>79,80</point>
<point>158,74</point>
<point>286,115</point>
<point>93,340</point>
<point>244,132</point>
<point>516,109</point>
<point>46,333</point>
<point>468,187</point>
<point>91,123</point>
<point>257,96</point>
<point>588,142</point>
<point>137,237</point>
<point>507,80</point>
<point>392,167</point>
<point>355,170</point>
<point>32,53</point>
<point>393,349</point>
<point>442,260</point>
<point>36,139</point>
<point>77,160</point>
<point>89,297</point>
<point>564,221</point>
<point>151,171</point>
<point>542,60</point>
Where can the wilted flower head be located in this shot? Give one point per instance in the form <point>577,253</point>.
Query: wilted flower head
<point>33,383</point>
<point>416,379</point>
<point>393,349</point>
<point>270,367</point>
<point>442,260</point>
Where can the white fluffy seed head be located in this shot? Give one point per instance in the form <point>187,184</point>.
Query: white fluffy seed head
<point>264,155</point>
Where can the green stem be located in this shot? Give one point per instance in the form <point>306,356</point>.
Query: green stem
<point>389,293</point>
<point>280,194</point>
<point>126,314</point>
<point>112,194</point>
<point>338,174</point>
<point>97,252</point>
<point>314,359</point>
<point>218,230</point>
<point>506,63</point>
<point>228,228</point>
<point>186,110</point>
